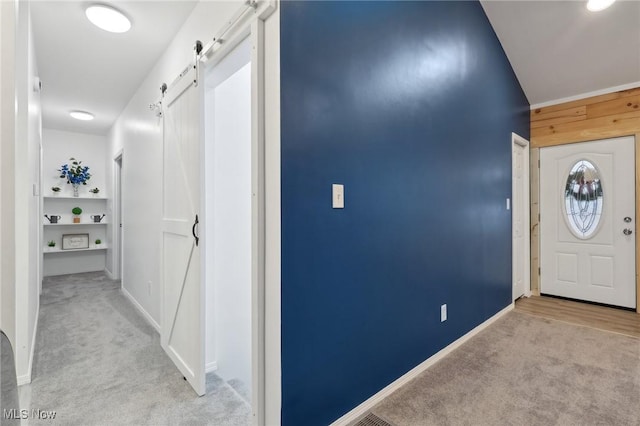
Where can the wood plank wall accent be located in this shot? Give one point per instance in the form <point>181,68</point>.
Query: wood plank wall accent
<point>600,117</point>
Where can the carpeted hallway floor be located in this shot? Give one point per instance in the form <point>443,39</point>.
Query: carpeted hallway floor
<point>525,370</point>
<point>98,362</point>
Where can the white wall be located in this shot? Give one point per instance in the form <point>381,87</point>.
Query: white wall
<point>19,127</point>
<point>8,23</point>
<point>19,151</point>
<point>58,147</point>
<point>138,133</point>
<point>27,198</point>
<point>228,215</point>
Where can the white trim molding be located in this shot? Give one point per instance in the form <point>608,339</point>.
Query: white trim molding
<point>210,367</point>
<point>367,405</point>
<point>26,378</point>
<point>600,92</point>
<point>139,307</point>
<point>519,141</point>
<point>109,275</point>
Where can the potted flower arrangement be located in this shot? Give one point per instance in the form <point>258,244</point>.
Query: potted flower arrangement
<point>76,174</point>
<point>77,211</point>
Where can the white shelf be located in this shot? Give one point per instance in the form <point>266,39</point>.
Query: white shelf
<point>74,224</point>
<point>67,197</point>
<point>57,249</point>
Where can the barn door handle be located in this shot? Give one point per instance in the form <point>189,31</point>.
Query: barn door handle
<point>193,230</point>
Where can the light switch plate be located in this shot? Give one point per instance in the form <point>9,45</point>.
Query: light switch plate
<point>338,196</point>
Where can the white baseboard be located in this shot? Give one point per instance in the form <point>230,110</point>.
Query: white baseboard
<point>26,378</point>
<point>367,405</point>
<point>210,367</point>
<point>108,273</point>
<point>144,313</point>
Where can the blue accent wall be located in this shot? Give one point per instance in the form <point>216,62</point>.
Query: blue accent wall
<point>411,106</point>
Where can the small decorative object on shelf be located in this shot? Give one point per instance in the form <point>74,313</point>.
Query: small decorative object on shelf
<point>77,211</point>
<point>97,218</point>
<point>94,191</point>
<point>56,190</point>
<point>98,242</point>
<point>76,174</point>
<point>51,243</point>
<point>53,218</point>
<point>75,241</point>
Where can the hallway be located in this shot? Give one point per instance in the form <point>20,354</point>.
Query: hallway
<point>97,361</point>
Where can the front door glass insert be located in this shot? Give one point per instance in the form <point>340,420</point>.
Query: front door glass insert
<point>583,199</point>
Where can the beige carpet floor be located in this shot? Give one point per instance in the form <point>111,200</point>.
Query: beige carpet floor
<point>98,362</point>
<point>525,370</point>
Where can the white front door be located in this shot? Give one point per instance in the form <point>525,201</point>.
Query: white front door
<point>587,221</point>
<point>182,328</point>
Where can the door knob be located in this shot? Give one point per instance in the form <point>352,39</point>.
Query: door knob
<point>627,219</point>
<point>627,231</point>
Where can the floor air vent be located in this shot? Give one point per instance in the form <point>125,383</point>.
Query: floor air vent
<point>372,420</point>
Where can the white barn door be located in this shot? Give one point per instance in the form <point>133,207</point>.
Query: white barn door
<point>587,223</point>
<point>182,328</point>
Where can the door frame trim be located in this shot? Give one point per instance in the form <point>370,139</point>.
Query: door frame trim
<point>116,212</point>
<point>519,141</point>
<point>637,148</point>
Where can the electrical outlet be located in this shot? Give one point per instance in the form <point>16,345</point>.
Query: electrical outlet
<point>443,313</point>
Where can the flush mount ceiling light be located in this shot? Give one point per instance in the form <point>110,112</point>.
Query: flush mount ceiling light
<point>81,115</point>
<point>598,5</point>
<point>108,18</point>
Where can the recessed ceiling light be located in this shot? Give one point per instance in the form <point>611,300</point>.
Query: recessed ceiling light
<point>108,18</point>
<point>81,115</point>
<point>598,5</point>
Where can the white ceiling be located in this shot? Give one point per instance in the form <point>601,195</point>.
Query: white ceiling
<point>558,49</point>
<point>83,67</point>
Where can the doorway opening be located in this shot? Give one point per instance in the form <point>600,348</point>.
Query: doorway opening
<point>228,225</point>
<point>213,205</point>
<point>213,218</point>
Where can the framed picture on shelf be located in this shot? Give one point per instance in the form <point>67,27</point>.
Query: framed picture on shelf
<point>75,241</point>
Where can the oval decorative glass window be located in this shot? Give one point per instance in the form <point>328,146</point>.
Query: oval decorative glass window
<point>583,199</point>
